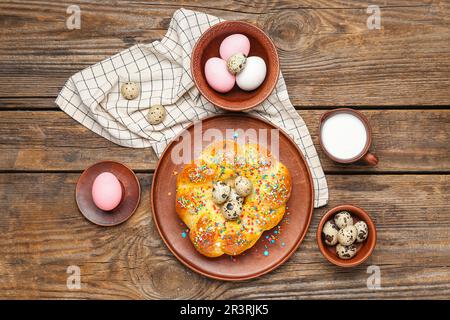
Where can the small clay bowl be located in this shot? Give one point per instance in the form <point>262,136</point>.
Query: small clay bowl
<point>364,248</point>
<point>260,45</point>
<point>130,197</point>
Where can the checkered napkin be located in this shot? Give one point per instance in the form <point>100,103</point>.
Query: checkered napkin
<point>162,70</point>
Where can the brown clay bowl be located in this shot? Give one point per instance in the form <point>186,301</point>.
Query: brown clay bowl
<point>130,197</point>
<point>260,45</point>
<point>364,249</point>
<point>251,263</point>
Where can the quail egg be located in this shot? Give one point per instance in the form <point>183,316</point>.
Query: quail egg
<point>347,236</point>
<point>129,90</point>
<point>330,233</point>
<point>362,231</point>
<point>232,210</point>
<point>220,192</point>
<point>343,219</point>
<point>243,186</point>
<point>236,63</point>
<point>346,252</point>
<point>156,114</point>
<point>234,196</point>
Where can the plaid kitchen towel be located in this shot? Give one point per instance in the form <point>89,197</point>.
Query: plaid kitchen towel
<point>162,69</point>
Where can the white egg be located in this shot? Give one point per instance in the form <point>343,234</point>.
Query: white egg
<point>253,74</point>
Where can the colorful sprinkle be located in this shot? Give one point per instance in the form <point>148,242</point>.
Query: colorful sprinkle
<point>269,186</point>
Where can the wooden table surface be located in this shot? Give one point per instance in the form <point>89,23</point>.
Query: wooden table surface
<point>398,76</point>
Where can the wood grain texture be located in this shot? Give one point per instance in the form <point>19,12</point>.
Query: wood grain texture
<point>404,140</point>
<point>328,55</point>
<point>329,58</point>
<point>39,242</point>
<point>37,103</point>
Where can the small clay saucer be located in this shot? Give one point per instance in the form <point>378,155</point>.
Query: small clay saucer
<point>364,248</point>
<point>130,198</point>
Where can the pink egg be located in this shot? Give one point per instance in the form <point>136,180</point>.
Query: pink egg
<point>218,76</point>
<point>236,43</point>
<point>106,191</point>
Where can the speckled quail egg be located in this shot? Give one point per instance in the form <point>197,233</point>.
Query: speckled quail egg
<point>362,231</point>
<point>220,192</point>
<point>236,63</point>
<point>232,210</point>
<point>243,186</point>
<point>234,196</point>
<point>156,114</point>
<point>330,233</point>
<point>343,219</point>
<point>346,252</point>
<point>129,90</point>
<point>347,236</point>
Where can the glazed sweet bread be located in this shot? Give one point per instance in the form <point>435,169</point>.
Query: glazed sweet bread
<point>221,162</point>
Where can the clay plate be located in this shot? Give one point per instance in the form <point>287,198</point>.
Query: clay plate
<point>365,248</point>
<point>260,45</point>
<point>252,263</point>
<point>130,198</point>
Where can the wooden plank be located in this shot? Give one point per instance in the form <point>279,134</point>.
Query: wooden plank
<point>48,104</point>
<point>404,140</point>
<point>328,55</point>
<point>42,233</point>
<point>28,104</point>
<point>51,140</point>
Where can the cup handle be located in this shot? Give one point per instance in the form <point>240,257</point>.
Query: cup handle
<point>370,159</point>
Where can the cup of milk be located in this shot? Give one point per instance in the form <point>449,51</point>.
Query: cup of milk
<point>345,136</point>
